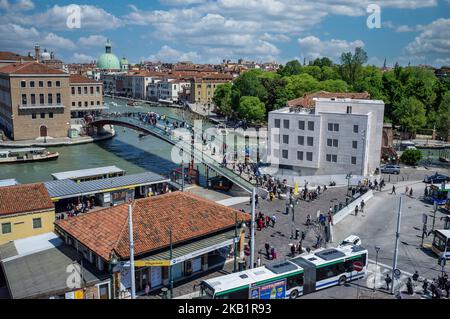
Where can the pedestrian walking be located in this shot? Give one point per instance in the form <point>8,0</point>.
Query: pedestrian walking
<point>299,247</point>
<point>147,289</point>
<point>363,204</point>
<point>273,253</point>
<point>388,281</point>
<point>274,220</point>
<point>258,262</point>
<point>268,219</point>
<point>447,289</point>
<point>411,192</point>
<point>406,190</point>
<point>425,287</point>
<point>409,286</point>
<point>356,210</point>
<point>415,277</point>
<point>267,247</point>
<point>292,250</point>
<point>393,190</point>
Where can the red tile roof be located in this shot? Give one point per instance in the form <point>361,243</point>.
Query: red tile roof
<point>307,101</point>
<point>24,198</point>
<point>78,78</point>
<point>29,68</point>
<point>189,216</point>
<point>11,56</point>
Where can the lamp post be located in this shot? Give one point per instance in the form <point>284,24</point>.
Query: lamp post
<point>349,176</point>
<point>112,263</point>
<point>377,249</point>
<point>235,242</point>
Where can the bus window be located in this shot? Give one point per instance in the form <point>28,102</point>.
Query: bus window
<point>439,242</point>
<point>294,281</point>
<point>330,271</point>
<point>239,294</point>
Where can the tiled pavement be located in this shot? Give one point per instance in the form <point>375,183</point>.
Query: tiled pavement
<point>279,236</point>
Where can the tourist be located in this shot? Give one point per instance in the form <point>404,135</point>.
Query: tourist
<point>393,190</point>
<point>292,250</point>
<point>274,219</point>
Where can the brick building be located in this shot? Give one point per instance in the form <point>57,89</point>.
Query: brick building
<point>86,96</point>
<point>34,101</point>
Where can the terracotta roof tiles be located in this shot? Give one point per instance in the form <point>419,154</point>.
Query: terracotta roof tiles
<point>307,100</point>
<point>30,68</point>
<point>24,198</point>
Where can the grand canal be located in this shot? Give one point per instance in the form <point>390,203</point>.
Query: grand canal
<point>126,151</point>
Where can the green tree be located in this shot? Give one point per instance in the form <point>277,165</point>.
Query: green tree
<point>420,83</point>
<point>411,157</point>
<point>293,67</point>
<point>333,86</point>
<point>351,65</point>
<point>250,84</point>
<point>298,85</point>
<point>251,109</point>
<point>314,71</point>
<point>443,120</point>
<point>330,73</point>
<point>222,99</point>
<point>322,62</point>
<point>410,113</point>
<point>392,91</point>
<point>371,81</point>
<point>277,94</point>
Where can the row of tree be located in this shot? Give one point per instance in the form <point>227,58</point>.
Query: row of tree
<point>415,98</point>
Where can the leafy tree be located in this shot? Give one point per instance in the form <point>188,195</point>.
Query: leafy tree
<point>293,67</point>
<point>333,86</point>
<point>351,64</point>
<point>322,62</point>
<point>251,109</point>
<point>371,81</point>
<point>393,91</point>
<point>411,157</point>
<point>277,94</point>
<point>314,71</point>
<point>222,99</point>
<point>443,120</point>
<point>420,83</point>
<point>249,84</point>
<point>410,113</point>
<point>298,85</point>
<point>330,73</point>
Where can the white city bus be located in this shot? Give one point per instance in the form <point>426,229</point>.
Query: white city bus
<point>291,278</point>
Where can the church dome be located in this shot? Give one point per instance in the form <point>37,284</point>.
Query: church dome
<point>108,61</point>
<point>45,56</point>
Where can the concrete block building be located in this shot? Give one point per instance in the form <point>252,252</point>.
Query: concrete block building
<point>327,134</point>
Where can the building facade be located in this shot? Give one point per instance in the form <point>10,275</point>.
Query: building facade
<point>34,101</point>
<point>335,135</point>
<point>86,96</point>
<point>32,215</point>
<point>202,89</point>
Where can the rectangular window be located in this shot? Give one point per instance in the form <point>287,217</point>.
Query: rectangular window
<point>98,89</point>
<point>355,144</point>
<point>334,157</point>
<point>329,142</point>
<point>85,90</point>
<point>301,125</point>
<point>37,223</point>
<point>6,228</point>
<point>42,115</point>
<point>73,90</point>
<point>285,154</point>
<point>79,104</point>
<point>49,84</point>
<point>330,127</point>
<point>41,84</point>
<point>301,140</point>
<point>311,126</point>
<point>286,124</point>
<point>355,128</point>
<point>335,143</point>
<point>309,156</point>
<point>336,127</point>
<point>353,160</point>
<point>73,103</point>
<point>92,90</point>
<point>41,99</point>
<point>31,84</point>
<point>79,90</point>
<point>33,99</point>
<point>58,84</point>
<point>92,103</point>
<point>277,123</point>
<point>23,84</point>
<point>86,103</point>
<point>328,157</point>
<point>300,156</point>
<point>24,99</point>
<point>50,99</point>
<point>58,98</point>
<point>50,115</point>
<point>349,110</point>
<point>33,115</point>
<point>310,141</point>
<point>285,139</point>
<point>98,102</point>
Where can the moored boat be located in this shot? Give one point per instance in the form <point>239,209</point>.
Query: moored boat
<point>25,155</point>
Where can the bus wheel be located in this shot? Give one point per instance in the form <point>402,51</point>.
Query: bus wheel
<point>294,294</point>
<point>342,280</point>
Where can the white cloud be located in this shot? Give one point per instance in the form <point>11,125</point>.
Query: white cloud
<point>313,47</point>
<point>435,39</point>
<point>168,54</point>
<point>82,58</point>
<point>55,41</point>
<point>404,28</point>
<point>19,5</point>
<point>92,41</point>
<point>25,5</point>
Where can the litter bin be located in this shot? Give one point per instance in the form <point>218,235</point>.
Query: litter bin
<point>164,292</point>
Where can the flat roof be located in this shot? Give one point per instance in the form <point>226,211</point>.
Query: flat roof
<point>45,273</point>
<point>22,150</point>
<point>445,232</point>
<point>26,246</point>
<point>67,188</point>
<point>8,182</point>
<point>330,254</point>
<point>87,172</point>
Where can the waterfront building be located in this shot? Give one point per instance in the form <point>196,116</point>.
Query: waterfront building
<point>7,58</point>
<point>39,267</point>
<point>328,134</point>
<point>167,89</point>
<point>203,234</point>
<point>25,210</point>
<point>34,101</point>
<point>86,96</point>
<point>203,88</point>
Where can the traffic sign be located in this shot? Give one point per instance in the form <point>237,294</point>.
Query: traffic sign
<point>358,266</point>
<point>397,273</point>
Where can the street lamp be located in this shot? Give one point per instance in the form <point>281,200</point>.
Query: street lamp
<point>113,261</point>
<point>377,249</point>
<point>349,175</point>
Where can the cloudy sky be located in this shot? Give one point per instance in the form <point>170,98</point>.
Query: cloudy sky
<point>207,31</point>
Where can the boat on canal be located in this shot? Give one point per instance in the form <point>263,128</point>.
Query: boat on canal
<point>26,155</point>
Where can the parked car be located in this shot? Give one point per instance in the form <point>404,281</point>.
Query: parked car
<point>436,179</point>
<point>390,169</point>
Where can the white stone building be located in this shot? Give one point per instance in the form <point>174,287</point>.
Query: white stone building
<point>166,89</point>
<point>327,134</point>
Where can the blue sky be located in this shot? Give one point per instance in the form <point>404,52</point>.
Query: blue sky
<point>207,31</point>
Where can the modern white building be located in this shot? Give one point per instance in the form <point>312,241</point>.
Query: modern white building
<point>327,134</point>
<point>166,89</point>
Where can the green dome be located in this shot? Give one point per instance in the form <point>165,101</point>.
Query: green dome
<point>108,61</point>
<point>124,61</point>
